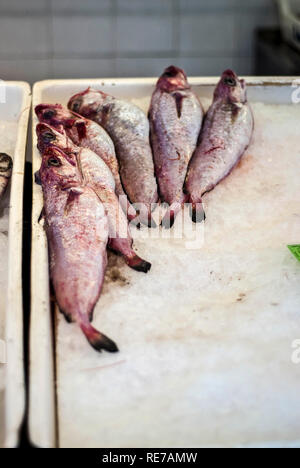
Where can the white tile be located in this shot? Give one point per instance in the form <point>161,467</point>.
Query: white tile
<point>83,68</point>
<point>207,33</point>
<point>205,66</point>
<point>142,67</point>
<point>24,70</point>
<point>23,5</point>
<point>143,33</point>
<point>79,35</point>
<point>144,6</point>
<point>23,36</point>
<point>81,5</point>
<point>187,6</point>
<point>246,25</point>
<point>257,4</point>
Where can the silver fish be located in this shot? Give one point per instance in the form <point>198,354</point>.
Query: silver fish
<point>96,174</point>
<point>77,232</point>
<point>86,133</point>
<point>225,135</point>
<point>128,127</point>
<point>175,120</point>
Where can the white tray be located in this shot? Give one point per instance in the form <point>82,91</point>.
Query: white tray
<point>15,108</point>
<point>182,377</point>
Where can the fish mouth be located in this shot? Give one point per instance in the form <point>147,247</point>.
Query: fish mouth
<point>173,78</point>
<point>5,162</point>
<point>172,71</point>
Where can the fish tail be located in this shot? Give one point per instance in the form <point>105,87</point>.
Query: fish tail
<point>172,211</point>
<point>169,219</point>
<point>197,212</point>
<point>145,217</point>
<point>97,339</point>
<point>138,263</point>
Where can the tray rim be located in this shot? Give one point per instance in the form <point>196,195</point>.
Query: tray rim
<point>15,383</point>
<point>40,434</point>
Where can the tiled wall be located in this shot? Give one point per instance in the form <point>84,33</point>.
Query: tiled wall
<point>98,38</point>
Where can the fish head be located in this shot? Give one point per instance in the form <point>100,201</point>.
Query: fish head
<point>173,78</point>
<point>58,169</point>
<point>6,165</point>
<point>87,102</point>
<point>49,136</point>
<point>231,87</point>
<point>54,115</point>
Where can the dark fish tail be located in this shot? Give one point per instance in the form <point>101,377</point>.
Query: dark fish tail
<point>197,212</point>
<point>97,339</point>
<point>170,216</point>
<point>145,217</point>
<point>138,264</point>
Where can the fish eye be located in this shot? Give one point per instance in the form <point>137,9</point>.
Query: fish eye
<point>48,136</point>
<point>48,114</point>
<point>229,81</point>
<point>76,105</point>
<point>5,162</point>
<point>54,162</point>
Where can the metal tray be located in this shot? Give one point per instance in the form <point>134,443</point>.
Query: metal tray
<point>14,108</point>
<point>196,367</point>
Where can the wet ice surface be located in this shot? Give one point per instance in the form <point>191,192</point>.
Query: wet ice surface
<point>205,338</point>
<point>8,132</point>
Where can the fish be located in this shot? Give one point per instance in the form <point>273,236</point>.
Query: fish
<point>89,134</point>
<point>175,117</point>
<point>128,127</point>
<point>77,231</point>
<point>6,165</point>
<point>225,135</point>
<point>96,174</point>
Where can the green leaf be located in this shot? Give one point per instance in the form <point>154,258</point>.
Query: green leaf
<point>295,249</point>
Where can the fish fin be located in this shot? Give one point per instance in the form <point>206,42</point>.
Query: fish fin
<point>73,195</point>
<point>147,219</point>
<point>68,317</point>
<point>98,340</point>
<point>37,178</point>
<point>168,220</point>
<point>171,213</point>
<point>197,213</point>
<point>42,214</point>
<point>138,264</point>
<point>179,97</point>
<point>81,129</point>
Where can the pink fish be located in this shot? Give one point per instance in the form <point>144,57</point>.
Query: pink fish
<point>128,127</point>
<point>89,134</point>
<point>96,174</point>
<point>175,120</point>
<point>77,232</point>
<point>226,134</point>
